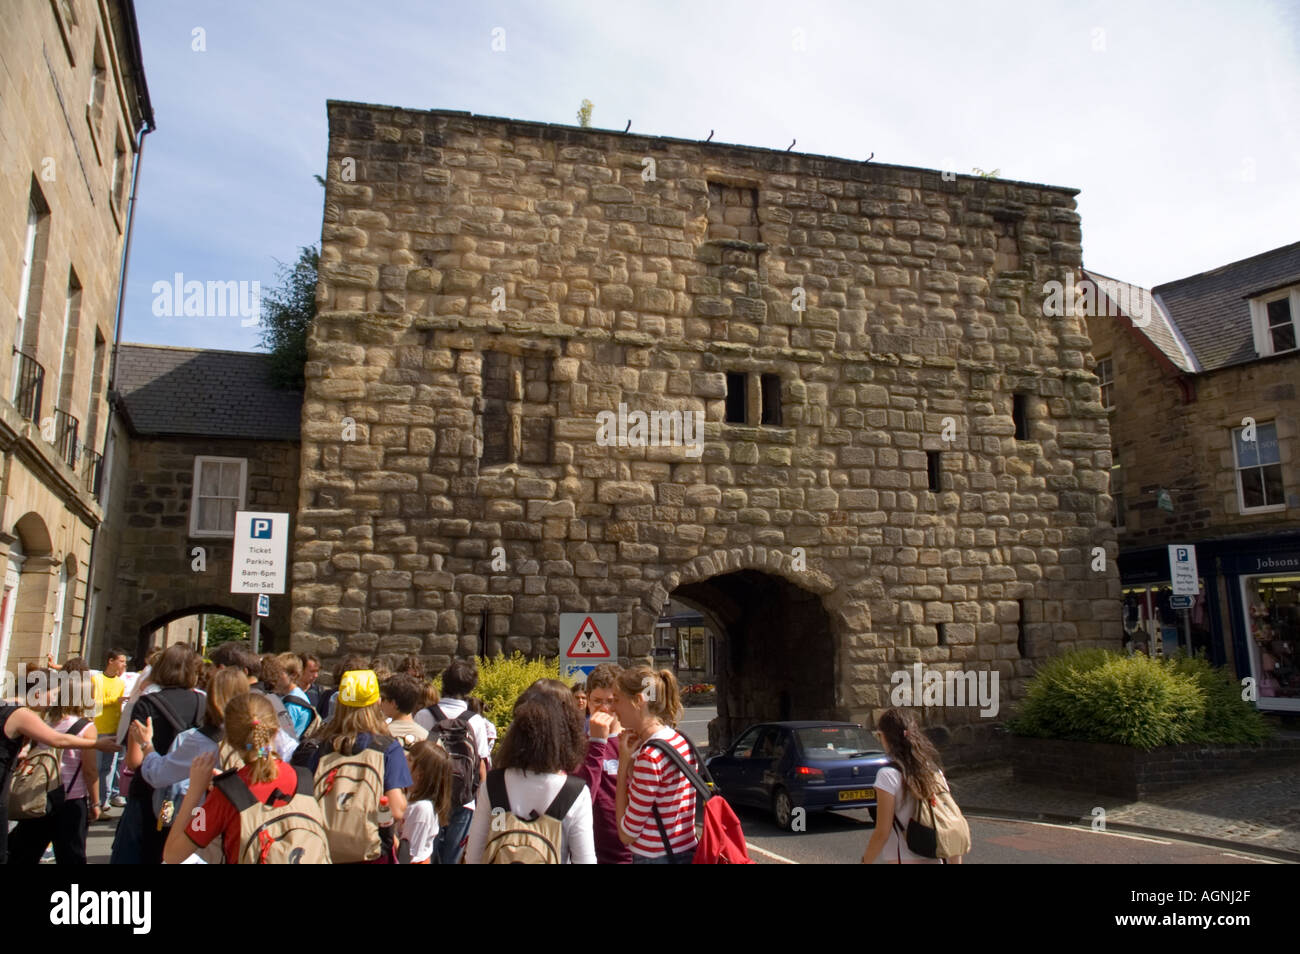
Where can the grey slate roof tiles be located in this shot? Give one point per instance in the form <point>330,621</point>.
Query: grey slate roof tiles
<point>1137,300</point>
<point>205,393</point>
<point>1211,310</point>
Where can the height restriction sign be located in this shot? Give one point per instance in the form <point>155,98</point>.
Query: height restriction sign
<point>586,640</point>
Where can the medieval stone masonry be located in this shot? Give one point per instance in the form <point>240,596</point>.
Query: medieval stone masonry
<point>852,333</point>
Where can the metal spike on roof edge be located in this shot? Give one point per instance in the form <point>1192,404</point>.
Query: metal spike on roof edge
<point>791,146</point>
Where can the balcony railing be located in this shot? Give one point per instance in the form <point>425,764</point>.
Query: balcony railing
<point>92,471</point>
<point>31,383</point>
<point>66,428</point>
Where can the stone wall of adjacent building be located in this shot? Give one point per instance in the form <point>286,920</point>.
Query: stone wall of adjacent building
<point>487,287</point>
<point>1165,441</point>
<point>157,579</point>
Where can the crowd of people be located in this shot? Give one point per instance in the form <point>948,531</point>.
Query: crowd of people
<point>244,758</point>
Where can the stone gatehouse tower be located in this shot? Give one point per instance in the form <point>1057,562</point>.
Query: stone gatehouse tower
<point>853,334</point>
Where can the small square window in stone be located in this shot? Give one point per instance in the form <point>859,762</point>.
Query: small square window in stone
<point>1019,414</point>
<point>1281,328</point>
<point>737,397</point>
<point>771,393</point>
<point>733,212</point>
<point>1259,468</point>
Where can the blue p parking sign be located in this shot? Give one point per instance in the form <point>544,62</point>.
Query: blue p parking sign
<point>261,529</point>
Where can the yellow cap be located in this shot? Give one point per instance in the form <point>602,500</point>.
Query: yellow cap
<point>360,687</point>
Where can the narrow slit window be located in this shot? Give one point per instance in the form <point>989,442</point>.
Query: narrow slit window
<point>943,634</point>
<point>1020,630</point>
<point>933,469</point>
<point>771,390</point>
<point>737,397</point>
<point>1019,414</point>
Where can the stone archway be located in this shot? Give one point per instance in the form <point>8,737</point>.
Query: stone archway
<point>784,630</point>
<point>141,647</point>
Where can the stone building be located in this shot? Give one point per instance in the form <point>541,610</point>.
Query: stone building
<point>902,460</point>
<point>1199,377</point>
<point>205,435</point>
<point>73,108</point>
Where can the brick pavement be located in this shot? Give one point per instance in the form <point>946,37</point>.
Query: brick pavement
<point>1259,809</point>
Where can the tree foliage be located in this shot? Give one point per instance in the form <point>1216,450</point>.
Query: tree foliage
<point>287,313</point>
<point>224,629</point>
<point>584,113</point>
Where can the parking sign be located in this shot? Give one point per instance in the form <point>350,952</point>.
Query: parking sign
<point>260,552</point>
<point>1182,569</point>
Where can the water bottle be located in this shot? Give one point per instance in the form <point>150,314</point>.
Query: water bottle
<point>385,813</point>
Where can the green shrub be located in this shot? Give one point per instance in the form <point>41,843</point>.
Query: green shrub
<point>1095,695</point>
<point>502,679</point>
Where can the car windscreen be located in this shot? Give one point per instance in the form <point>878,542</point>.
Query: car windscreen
<point>835,742</point>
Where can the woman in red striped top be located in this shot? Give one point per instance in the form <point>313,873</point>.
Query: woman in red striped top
<point>654,798</point>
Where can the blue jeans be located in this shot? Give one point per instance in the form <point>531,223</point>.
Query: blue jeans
<point>107,776</point>
<point>447,847</point>
<point>680,858</point>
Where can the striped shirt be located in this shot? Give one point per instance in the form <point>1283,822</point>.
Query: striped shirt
<point>656,782</point>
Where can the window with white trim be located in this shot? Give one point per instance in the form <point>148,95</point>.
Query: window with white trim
<point>1117,489</point>
<point>219,486</point>
<point>1106,375</point>
<point>1259,469</point>
<point>1275,320</point>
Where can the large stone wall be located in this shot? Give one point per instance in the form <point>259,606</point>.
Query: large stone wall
<point>588,284</point>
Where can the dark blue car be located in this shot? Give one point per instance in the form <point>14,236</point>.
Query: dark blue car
<point>816,766</point>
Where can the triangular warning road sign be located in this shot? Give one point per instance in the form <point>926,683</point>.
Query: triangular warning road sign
<point>588,642</point>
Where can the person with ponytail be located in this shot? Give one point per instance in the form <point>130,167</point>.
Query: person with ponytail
<point>654,802</point>
<point>251,724</point>
<point>915,774</point>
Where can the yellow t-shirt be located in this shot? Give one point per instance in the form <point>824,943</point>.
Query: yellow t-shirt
<point>108,693</point>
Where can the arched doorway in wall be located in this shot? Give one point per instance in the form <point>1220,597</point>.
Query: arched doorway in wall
<point>149,633</point>
<point>37,574</point>
<point>777,659</point>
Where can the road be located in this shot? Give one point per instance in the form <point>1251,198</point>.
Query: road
<point>840,837</point>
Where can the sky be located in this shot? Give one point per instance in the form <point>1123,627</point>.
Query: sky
<point>1179,122</point>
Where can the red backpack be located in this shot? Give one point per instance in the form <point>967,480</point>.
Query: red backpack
<point>722,842</point>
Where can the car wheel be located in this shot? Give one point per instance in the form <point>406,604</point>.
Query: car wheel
<point>783,810</point>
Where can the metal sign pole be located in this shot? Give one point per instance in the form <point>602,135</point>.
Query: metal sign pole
<point>253,631</point>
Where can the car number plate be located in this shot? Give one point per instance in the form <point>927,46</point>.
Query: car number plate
<point>858,795</point>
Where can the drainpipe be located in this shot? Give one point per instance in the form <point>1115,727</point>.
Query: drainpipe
<point>107,461</point>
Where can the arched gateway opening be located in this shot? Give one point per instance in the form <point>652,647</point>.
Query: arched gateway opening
<point>777,659</point>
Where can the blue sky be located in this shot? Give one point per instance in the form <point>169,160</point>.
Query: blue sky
<point>1179,121</point>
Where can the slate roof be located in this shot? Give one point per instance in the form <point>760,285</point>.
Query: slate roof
<point>1137,302</point>
<point>194,392</point>
<point>1211,310</point>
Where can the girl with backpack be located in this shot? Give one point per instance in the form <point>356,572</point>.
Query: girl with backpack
<point>356,762</point>
<point>654,802</point>
<point>18,725</point>
<point>75,803</point>
<point>915,774</point>
<point>173,708</point>
<point>264,813</point>
<point>532,808</point>
<point>428,805</point>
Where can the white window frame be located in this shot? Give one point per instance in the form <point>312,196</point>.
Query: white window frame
<point>1120,519</point>
<point>194,495</point>
<point>1104,382</point>
<point>1237,469</point>
<point>25,289</point>
<point>1259,320</point>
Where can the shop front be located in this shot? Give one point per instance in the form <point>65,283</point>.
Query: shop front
<point>1155,622</point>
<point>1266,622</point>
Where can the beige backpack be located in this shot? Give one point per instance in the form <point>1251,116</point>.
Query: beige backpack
<point>348,788</point>
<point>289,834</point>
<point>36,777</point>
<point>526,841</point>
<point>937,828</point>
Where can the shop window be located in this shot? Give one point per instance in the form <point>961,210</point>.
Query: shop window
<point>1273,622</point>
<point>1259,469</point>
